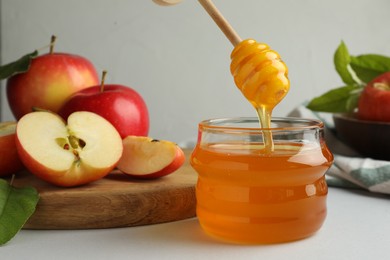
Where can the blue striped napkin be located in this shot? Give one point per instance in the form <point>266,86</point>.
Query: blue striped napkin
<point>349,170</point>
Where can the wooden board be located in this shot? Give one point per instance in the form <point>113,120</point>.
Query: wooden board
<point>114,201</point>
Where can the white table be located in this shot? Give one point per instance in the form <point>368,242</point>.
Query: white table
<point>357,227</point>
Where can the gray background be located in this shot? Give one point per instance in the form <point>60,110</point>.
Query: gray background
<point>177,58</point>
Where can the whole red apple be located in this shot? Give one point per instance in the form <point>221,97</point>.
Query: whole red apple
<point>122,106</point>
<point>9,159</point>
<point>49,81</point>
<point>374,101</point>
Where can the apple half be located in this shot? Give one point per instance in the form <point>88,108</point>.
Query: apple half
<point>147,158</point>
<point>85,149</point>
<point>9,162</point>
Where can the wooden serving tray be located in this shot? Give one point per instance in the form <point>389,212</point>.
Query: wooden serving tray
<point>114,201</point>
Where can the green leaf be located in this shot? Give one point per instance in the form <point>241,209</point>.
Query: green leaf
<point>341,61</point>
<point>353,100</point>
<point>369,66</point>
<point>16,207</point>
<point>339,100</point>
<point>19,66</point>
<point>356,72</point>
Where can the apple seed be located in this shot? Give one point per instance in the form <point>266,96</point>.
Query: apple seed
<point>63,143</point>
<point>71,141</point>
<point>76,142</point>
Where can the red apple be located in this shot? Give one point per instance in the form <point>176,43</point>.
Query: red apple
<point>147,158</point>
<point>9,162</point>
<point>50,80</point>
<point>121,105</point>
<point>85,149</point>
<point>374,101</point>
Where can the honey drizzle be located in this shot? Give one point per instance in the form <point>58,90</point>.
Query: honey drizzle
<point>264,116</point>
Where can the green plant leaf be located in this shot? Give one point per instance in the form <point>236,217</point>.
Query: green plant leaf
<point>356,72</point>
<point>341,61</point>
<point>353,100</point>
<point>16,207</point>
<point>369,66</point>
<point>339,100</point>
<point>19,66</point>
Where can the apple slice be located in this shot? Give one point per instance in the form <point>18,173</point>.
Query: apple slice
<point>147,158</point>
<point>84,150</point>
<point>9,162</point>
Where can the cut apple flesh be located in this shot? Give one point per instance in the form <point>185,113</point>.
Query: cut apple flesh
<point>86,149</point>
<point>143,155</point>
<point>37,133</point>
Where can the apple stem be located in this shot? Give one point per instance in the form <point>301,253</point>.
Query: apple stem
<point>104,73</point>
<point>52,43</point>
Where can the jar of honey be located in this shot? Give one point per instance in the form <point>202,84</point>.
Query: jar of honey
<point>250,195</point>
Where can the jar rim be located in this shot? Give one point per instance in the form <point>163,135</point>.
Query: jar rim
<point>231,123</point>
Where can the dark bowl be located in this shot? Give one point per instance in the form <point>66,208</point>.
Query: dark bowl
<point>369,138</point>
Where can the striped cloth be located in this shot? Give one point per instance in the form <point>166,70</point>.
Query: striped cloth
<point>349,170</point>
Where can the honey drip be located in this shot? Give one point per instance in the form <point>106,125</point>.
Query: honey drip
<point>264,116</point>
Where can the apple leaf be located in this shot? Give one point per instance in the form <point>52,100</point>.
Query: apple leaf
<point>369,66</point>
<point>342,60</point>
<point>18,66</point>
<point>355,72</point>
<point>343,99</point>
<point>16,207</point>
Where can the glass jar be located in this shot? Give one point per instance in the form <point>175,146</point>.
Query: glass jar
<point>248,194</point>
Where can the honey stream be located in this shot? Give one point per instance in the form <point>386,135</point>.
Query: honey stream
<point>264,116</point>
